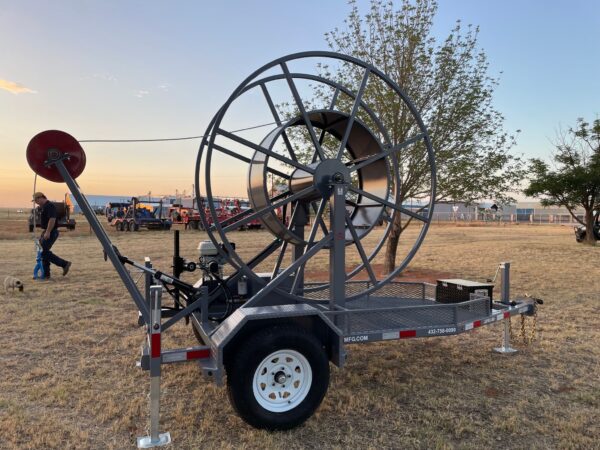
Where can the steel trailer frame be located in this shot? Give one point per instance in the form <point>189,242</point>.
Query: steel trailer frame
<point>409,309</point>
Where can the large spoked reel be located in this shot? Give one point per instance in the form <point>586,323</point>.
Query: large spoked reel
<point>325,115</point>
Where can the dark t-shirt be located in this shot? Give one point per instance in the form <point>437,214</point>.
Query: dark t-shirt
<point>48,212</point>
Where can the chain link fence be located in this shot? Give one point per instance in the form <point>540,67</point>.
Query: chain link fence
<point>497,218</point>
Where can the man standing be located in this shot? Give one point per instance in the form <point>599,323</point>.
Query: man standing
<point>49,235</point>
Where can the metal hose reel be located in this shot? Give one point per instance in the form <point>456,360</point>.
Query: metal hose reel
<point>374,178</point>
<point>308,148</point>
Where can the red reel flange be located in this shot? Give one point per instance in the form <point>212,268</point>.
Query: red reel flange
<point>53,145</point>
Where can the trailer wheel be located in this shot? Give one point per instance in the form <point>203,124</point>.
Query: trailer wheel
<point>129,226</point>
<point>119,225</point>
<point>278,378</point>
<point>136,227</point>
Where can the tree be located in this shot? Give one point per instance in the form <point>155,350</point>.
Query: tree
<point>449,84</point>
<point>574,181</point>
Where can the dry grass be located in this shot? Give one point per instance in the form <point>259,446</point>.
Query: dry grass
<point>69,349</point>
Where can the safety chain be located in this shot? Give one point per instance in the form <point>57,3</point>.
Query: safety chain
<point>527,338</point>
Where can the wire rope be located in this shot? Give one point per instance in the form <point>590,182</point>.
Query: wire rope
<point>185,138</point>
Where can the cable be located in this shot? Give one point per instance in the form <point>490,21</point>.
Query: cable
<point>187,138</point>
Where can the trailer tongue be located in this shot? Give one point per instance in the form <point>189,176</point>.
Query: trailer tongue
<point>274,333</point>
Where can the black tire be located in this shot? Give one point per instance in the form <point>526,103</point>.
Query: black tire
<point>253,354</point>
<point>119,225</point>
<point>194,225</point>
<point>129,226</point>
<point>136,227</point>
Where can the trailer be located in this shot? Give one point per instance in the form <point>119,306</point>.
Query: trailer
<point>272,334</point>
<point>142,215</point>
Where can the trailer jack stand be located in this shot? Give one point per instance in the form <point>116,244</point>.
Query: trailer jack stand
<point>155,439</point>
<point>506,349</point>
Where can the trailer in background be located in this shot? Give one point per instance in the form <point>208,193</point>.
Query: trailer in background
<point>138,215</point>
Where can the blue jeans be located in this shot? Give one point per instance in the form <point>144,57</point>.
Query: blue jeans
<point>49,257</point>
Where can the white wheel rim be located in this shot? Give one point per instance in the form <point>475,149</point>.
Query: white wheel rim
<point>282,381</point>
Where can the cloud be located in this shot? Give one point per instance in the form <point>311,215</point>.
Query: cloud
<point>164,87</point>
<point>105,77</point>
<point>141,93</point>
<point>15,88</point>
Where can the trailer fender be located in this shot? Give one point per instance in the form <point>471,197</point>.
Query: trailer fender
<point>245,321</point>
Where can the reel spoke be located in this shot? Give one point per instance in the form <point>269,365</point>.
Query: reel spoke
<point>324,130</point>
<point>279,259</point>
<point>311,239</point>
<point>378,156</point>
<point>334,98</point>
<point>408,212</point>
<point>361,250</point>
<point>261,149</point>
<point>286,140</point>
<point>302,110</point>
<point>288,271</point>
<point>249,161</point>
<point>267,209</point>
<point>355,107</point>
<point>246,212</point>
<point>321,221</point>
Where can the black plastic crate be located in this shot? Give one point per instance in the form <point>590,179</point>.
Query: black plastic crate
<point>457,291</point>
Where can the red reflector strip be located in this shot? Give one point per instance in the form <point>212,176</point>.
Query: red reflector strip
<point>477,323</point>
<point>197,354</point>
<point>155,345</point>
<point>408,334</point>
<point>506,315</point>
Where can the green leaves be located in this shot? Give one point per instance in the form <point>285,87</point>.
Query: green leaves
<point>449,84</point>
<point>574,179</point>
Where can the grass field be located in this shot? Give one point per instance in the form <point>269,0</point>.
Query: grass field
<point>69,347</point>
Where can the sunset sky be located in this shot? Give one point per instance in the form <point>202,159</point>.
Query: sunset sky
<point>150,69</point>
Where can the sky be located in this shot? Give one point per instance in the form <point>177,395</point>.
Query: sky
<point>153,69</point>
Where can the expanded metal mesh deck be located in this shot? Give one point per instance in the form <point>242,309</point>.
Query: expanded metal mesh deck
<point>399,306</point>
